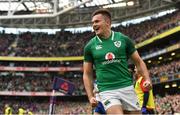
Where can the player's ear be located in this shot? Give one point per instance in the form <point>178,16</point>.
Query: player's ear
<point>108,21</point>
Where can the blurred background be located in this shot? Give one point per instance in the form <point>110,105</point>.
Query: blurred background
<point>43,39</point>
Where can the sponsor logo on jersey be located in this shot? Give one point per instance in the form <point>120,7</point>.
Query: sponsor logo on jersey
<point>117,43</point>
<point>98,47</point>
<point>110,57</point>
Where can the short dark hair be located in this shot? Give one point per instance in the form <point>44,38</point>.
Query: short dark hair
<point>102,11</point>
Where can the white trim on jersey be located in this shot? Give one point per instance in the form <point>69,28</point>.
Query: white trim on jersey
<point>112,38</point>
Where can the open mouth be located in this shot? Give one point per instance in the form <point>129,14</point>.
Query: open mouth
<point>96,29</point>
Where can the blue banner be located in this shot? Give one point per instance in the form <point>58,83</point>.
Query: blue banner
<point>60,84</point>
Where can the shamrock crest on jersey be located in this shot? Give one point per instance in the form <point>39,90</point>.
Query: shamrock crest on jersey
<point>117,43</point>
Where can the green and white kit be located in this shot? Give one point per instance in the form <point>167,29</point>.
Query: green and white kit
<point>110,58</point>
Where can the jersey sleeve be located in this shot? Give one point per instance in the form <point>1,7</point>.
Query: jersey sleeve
<point>87,53</point>
<point>130,49</point>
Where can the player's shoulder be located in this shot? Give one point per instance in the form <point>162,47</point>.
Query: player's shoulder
<point>91,42</point>
<point>121,35</point>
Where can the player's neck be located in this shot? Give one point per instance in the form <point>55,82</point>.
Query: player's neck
<point>106,34</point>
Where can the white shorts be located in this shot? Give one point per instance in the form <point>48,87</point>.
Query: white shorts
<point>126,97</point>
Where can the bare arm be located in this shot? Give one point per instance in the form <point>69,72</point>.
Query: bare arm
<point>141,69</point>
<point>88,82</point>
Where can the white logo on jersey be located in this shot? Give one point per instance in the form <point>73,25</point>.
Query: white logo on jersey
<point>98,47</point>
<point>117,43</point>
<point>109,56</point>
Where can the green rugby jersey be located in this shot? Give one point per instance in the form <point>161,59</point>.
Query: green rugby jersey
<point>110,58</point>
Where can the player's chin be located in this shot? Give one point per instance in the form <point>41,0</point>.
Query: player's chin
<point>99,34</point>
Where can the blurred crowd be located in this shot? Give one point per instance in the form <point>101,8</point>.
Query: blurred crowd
<point>65,43</point>
<point>165,69</point>
<point>149,28</point>
<point>42,106</point>
<point>25,83</point>
<point>5,41</point>
<point>39,82</point>
<point>170,104</point>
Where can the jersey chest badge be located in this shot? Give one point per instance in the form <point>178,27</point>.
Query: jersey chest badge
<point>109,56</point>
<point>117,43</point>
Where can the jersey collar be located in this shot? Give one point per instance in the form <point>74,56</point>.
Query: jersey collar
<point>112,37</point>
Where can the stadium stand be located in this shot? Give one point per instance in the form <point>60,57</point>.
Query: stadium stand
<point>41,44</point>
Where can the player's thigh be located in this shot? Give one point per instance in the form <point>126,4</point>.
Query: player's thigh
<point>115,109</point>
<point>129,99</point>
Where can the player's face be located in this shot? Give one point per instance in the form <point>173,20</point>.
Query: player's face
<point>100,25</point>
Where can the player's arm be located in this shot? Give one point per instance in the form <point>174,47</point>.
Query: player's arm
<point>88,82</point>
<point>146,93</point>
<point>142,69</point>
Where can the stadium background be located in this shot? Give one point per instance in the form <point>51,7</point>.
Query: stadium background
<point>30,60</point>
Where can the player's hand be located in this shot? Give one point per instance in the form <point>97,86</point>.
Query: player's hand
<point>93,101</point>
<point>147,84</point>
